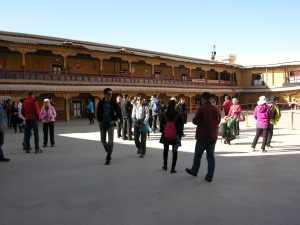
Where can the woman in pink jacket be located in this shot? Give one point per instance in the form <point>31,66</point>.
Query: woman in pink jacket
<point>47,115</point>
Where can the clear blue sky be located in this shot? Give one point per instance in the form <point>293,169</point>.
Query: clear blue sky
<point>186,27</point>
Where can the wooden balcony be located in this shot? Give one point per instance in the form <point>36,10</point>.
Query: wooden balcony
<point>41,77</point>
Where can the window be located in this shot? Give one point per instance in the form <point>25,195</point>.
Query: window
<point>294,76</point>
<point>157,75</point>
<point>257,79</point>
<point>184,77</point>
<point>56,69</point>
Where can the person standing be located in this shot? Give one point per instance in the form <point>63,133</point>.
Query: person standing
<point>90,111</point>
<point>107,115</point>
<point>262,114</point>
<point>235,110</point>
<point>48,115</point>
<point>140,117</point>
<point>15,120</point>
<point>126,109</point>
<point>207,119</point>
<point>226,105</point>
<point>30,110</point>
<point>181,107</point>
<point>156,110</point>
<point>168,117</point>
<point>120,120</point>
<point>3,126</point>
<point>276,115</point>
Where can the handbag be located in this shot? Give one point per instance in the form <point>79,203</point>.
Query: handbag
<point>241,117</point>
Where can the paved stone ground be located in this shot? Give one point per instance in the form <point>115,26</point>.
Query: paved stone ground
<point>70,185</point>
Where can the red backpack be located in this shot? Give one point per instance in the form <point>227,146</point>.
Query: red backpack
<point>170,129</point>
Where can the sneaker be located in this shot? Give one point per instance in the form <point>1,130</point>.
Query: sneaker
<point>207,179</point>
<point>141,156</point>
<point>253,149</point>
<point>107,162</point>
<point>173,171</point>
<point>165,168</point>
<point>263,150</point>
<point>4,159</point>
<point>138,151</point>
<point>38,151</point>
<point>189,171</point>
<point>269,146</point>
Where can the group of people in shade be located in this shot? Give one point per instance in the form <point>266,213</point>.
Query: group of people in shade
<point>138,112</point>
<point>28,116</point>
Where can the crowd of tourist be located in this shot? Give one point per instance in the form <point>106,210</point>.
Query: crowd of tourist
<point>136,118</point>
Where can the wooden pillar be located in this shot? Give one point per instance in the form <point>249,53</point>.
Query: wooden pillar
<point>173,71</point>
<point>190,75</point>
<point>23,60</point>
<point>191,105</point>
<point>153,69</point>
<point>67,107</point>
<point>97,99</point>
<point>205,77</point>
<point>130,67</point>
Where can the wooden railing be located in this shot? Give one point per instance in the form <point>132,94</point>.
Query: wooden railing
<point>111,78</point>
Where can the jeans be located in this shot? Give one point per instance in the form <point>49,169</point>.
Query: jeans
<point>119,127</point>
<point>29,125</point>
<point>154,122</point>
<point>140,140</point>
<point>1,143</point>
<point>200,147</point>
<point>91,118</point>
<point>127,126</point>
<point>265,135</point>
<point>107,128</point>
<point>175,154</point>
<point>48,126</point>
<point>270,135</point>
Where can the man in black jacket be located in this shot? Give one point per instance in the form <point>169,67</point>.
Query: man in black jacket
<point>107,114</point>
<point>126,109</point>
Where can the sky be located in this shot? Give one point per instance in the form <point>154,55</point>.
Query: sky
<point>256,31</point>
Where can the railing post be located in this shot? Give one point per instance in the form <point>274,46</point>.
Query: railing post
<point>292,119</point>
<point>246,118</point>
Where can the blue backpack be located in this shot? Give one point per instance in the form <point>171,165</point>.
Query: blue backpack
<point>154,107</point>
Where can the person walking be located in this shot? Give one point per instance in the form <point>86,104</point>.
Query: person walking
<point>126,109</point>
<point>156,110</point>
<point>207,119</point>
<point>30,110</point>
<point>276,115</point>
<point>171,122</point>
<point>140,117</point>
<point>48,115</point>
<point>120,119</point>
<point>226,105</point>
<point>3,126</point>
<point>90,111</point>
<point>107,115</point>
<point>262,114</point>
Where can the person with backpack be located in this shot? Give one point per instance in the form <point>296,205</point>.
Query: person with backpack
<point>3,126</point>
<point>140,117</point>
<point>262,113</point>
<point>171,133</point>
<point>276,115</point>
<point>207,119</point>
<point>156,110</point>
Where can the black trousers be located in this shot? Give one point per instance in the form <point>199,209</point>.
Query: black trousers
<point>127,126</point>
<point>154,122</point>
<point>270,135</point>
<point>174,158</point>
<point>48,126</point>
<point>265,136</point>
<point>91,118</point>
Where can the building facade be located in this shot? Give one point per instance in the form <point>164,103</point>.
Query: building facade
<point>72,72</point>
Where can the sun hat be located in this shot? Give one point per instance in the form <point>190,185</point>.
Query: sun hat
<point>262,100</point>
